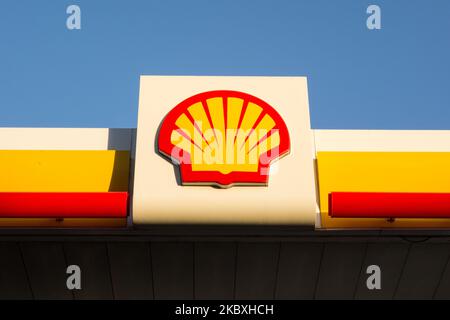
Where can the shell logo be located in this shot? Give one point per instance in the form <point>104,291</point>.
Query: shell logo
<point>223,138</point>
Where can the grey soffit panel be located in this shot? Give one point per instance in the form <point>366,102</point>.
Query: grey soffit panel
<point>223,270</point>
<point>215,264</point>
<point>256,270</point>
<point>13,277</point>
<point>173,270</point>
<point>339,271</point>
<point>390,257</point>
<point>442,291</point>
<point>424,267</point>
<point>92,258</point>
<point>298,270</point>
<point>46,268</point>
<point>131,270</point>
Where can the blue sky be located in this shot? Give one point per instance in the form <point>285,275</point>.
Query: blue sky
<point>394,78</point>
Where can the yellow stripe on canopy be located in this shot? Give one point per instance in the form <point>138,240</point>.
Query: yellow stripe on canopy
<point>63,171</point>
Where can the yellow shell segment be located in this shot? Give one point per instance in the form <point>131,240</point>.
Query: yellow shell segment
<point>225,135</point>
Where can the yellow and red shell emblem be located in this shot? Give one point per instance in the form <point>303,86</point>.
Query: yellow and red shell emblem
<point>223,138</point>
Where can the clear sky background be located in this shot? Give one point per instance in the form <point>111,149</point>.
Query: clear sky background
<point>394,78</point>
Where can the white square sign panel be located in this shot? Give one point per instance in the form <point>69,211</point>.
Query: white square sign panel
<point>224,150</point>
